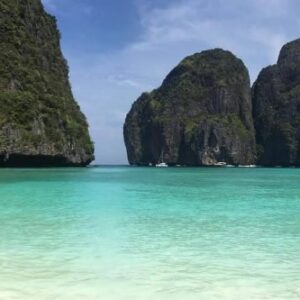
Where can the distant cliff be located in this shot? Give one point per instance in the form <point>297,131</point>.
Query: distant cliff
<point>201,115</point>
<point>40,122</point>
<point>276,109</point>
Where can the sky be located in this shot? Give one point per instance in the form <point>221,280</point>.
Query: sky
<point>117,49</point>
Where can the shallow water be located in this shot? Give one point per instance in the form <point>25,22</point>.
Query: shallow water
<point>118,233</point>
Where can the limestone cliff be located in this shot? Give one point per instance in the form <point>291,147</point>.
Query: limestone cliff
<point>40,122</point>
<point>201,115</point>
<point>276,109</point>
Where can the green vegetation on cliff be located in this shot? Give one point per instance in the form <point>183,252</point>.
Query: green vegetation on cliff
<point>201,114</point>
<point>276,109</point>
<point>38,114</point>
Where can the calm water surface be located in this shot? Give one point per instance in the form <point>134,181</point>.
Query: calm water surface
<point>120,233</point>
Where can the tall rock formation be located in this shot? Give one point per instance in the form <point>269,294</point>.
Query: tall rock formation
<point>201,115</point>
<point>276,109</point>
<point>40,122</point>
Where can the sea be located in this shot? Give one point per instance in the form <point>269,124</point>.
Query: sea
<point>133,233</point>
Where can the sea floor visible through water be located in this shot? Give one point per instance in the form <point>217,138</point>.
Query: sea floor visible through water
<point>120,233</point>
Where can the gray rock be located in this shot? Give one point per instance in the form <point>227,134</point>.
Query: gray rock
<point>276,109</point>
<point>40,122</point>
<point>201,115</point>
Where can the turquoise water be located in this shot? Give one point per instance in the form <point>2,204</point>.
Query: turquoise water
<point>117,233</point>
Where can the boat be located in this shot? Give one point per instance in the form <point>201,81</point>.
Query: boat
<point>220,164</point>
<point>161,164</point>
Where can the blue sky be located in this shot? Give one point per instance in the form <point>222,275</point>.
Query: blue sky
<point>117,49</point>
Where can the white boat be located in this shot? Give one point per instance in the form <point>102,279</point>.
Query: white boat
<point>161,164</point>
<point>220,164</point>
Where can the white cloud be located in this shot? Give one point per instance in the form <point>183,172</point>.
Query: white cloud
<point>241,26</point>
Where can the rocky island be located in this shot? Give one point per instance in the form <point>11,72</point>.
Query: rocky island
<point>201,115</point>
<point>40,122</point>
<point>276,109</point>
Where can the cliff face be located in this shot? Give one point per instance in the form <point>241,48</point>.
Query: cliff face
<point>201,114</point>
<point>40,122</point>
<point>276,109</point>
